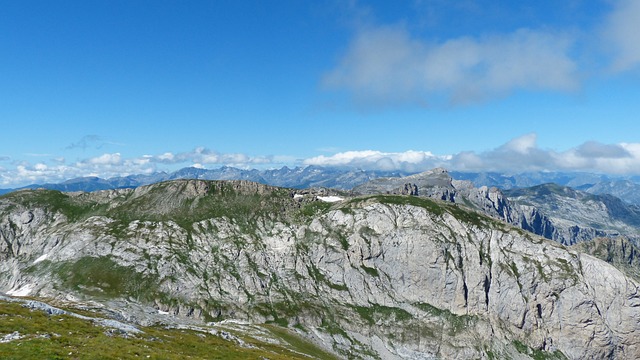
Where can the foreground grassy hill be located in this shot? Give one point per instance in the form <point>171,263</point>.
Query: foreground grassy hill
<point>34,334</point>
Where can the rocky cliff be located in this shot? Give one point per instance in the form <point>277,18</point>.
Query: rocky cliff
<point>555,212</point>
<point>620,252</point>
<point>374,276</point>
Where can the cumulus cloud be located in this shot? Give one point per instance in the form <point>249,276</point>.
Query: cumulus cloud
<point>202,155</point>
<point>110,165</point>
<point>620,32</point>
<point>388,64</point>
<point>593,149</point>
<point>105,159</point>
<point>378,160</point>
<point>24,174</point>
<point>521,145</point>
<point>521,154</point>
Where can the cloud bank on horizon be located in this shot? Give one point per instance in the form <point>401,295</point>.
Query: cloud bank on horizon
<point>521,154</point>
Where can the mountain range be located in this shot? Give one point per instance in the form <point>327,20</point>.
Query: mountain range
<point>298,177</point>
<point>414,267</point>
<point>555,212</point>
<point>627,189</point>
<point>370,276</point>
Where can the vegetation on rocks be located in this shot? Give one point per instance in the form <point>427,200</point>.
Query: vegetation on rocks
<point>421,276</point>
<point>38,335</point>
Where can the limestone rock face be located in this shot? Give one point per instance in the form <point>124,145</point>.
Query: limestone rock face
<point>558,213</point>
<point>383,276</point>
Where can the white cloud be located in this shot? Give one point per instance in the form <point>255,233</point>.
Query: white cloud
<point>620,33</point>
<point>371,159</point>
<point>593,149</point>
<point>110,165</point>
<point>522,144</point>
<point>166,157</point>
<point>517,155</point>
<point>204,156</point>
<point>522,154</point>
<point>39,173</point>
<point>105,159</point>
<point>388,64</point>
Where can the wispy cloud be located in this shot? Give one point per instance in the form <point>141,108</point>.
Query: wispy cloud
<point>37,155</point>
<point>91,142</point>
<point>85,142</point>
<point>388,65</point>
<point>201,155</point>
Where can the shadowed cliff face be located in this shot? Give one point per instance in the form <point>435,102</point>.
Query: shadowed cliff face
<point>620,252</point>
<point>380,276</point>
<point>555,212</point>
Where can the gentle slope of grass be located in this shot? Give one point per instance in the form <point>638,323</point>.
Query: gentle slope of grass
<point>64,337</point>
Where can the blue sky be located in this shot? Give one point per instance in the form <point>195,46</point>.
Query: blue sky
<point>111,88</point>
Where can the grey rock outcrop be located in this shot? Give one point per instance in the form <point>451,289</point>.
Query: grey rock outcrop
<point>558,213</point>
<point>570,216</point>
<point>382,276</point>
<point>620,252</point>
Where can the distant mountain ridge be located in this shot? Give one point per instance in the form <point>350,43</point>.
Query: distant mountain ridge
<point>627,189</point>
<point>298,177</point>
<point>558,213</point>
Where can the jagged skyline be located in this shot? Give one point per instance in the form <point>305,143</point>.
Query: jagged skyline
<point>118,88</point>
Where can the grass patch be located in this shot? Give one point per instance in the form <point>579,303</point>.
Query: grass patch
<point>319,277</point>
<point>537,354</point>
<point>566,270</point>
<point>344,242</point>
<point>299,344</point>
<point>454,323</point>
<point>371,271</point>
<point>66,337</point>
<point>315,208</point>
<point>371,314</point>
<point>102,277</point>
<point>435,207</point>
<point>281,312</point>
<point>55,201</point>
<point>428,204</point>
<point>180,202</point>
